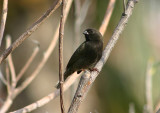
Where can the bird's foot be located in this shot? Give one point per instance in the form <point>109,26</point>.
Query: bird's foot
<point>93,69</point>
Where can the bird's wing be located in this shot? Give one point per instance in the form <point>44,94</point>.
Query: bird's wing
<point>79,53</point>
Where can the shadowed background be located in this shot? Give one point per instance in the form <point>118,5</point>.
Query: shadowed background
<point>122,80</point>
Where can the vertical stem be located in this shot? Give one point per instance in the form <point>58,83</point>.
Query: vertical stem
<point>3,20</point>
<point>61,33</point>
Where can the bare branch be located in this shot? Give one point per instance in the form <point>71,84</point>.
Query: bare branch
<point>80,13</point>
<point>10,62</point>
<point>83,11</point>
<point>61,35</point>
<point>3,20</point>
<point>8,79</point>
<point>88,78</point>
<point>2,78</point>
<point>18,90</point>
<point>49,97</point>
<point>8,102</point>
<point>32,29</point>
<point>28,63</point>
<point>107,17</point>
<point>46,55</point>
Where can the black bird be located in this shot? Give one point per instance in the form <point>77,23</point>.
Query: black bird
<point>87,54</point>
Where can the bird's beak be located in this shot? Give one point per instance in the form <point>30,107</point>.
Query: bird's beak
<point>85,33</point>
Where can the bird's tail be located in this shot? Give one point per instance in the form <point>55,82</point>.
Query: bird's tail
<point>66,75</point>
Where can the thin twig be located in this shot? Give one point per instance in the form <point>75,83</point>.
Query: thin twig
<point>32,29</point>
<point>61,35</point>
<point>49,97</point>
<point>3,20</point>
<point>80,15</point>
<point>10,86</point>
<point>88,78</point>
<point>11,64</point>
<point>28,63</point>
<point>46,55</point>
<point>84,11</point>
<point>8,78</point>
<point>149,73</point>
<point>107,17</point>
<point>4,81</point>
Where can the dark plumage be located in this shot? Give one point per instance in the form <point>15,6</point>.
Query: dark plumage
<point>87,54</point>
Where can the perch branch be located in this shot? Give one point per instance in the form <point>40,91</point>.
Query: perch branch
<point>32,29</point>
<point>3,20</point>
<point>88,78</point>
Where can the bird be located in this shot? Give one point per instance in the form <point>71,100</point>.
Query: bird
<point>86,55</point>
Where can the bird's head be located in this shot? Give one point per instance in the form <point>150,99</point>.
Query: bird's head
<point>92,34</point>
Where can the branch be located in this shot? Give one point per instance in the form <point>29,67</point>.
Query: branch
<point>53,95</point>
<point>61,34</point>
<point>11,64</point>
<point>49,97</point>
<point>80,15</point>
<point>28,63</point>
<point>107,17</point>
<point>32,29</point>
<point>7,78</point>
<point>10,86</point>
<point>3,20</point>
<point>4,81</point>
<point>46,55</point>
<point>88,78</point>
